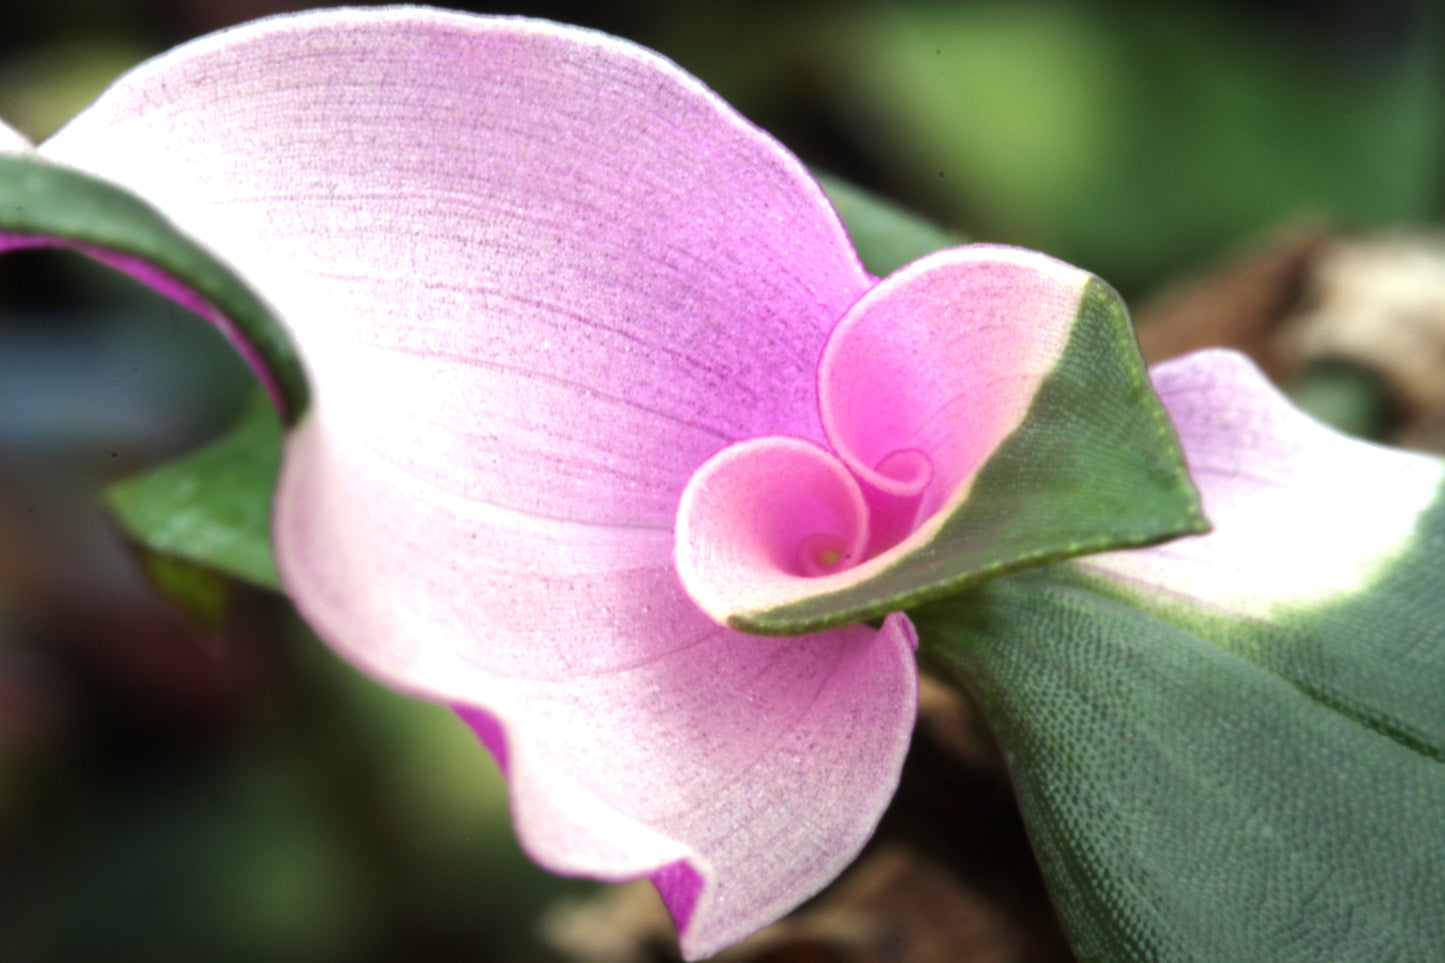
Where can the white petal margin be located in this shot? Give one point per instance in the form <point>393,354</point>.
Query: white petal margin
<point>12,141</point>
<point>1301,513</point>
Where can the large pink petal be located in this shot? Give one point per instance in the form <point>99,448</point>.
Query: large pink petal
<point>638,736</point>
<point>538,276</point>
<point>1302,514</point>
<point>544,267</point>
<point>741,765</point>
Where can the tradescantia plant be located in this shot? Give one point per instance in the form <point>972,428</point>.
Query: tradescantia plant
<point>599,431</point>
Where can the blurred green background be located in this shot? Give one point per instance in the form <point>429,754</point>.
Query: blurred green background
<point>234,793</point>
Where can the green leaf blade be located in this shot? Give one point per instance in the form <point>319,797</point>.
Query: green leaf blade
<point>1206,788</point>
<point>212,507</point>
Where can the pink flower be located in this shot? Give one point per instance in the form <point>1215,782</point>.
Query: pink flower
<point>598,380</point>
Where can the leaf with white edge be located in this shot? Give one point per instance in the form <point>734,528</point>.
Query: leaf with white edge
<point>987,410</point>
<point>43,204</point>
<point>212,507</point>
<point>1232,747</point>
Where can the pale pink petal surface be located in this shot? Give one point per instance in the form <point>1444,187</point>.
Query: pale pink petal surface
<point>539,276</point>
<point>1302,514</point>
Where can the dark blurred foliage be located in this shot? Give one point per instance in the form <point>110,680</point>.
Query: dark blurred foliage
<point>234,793</point>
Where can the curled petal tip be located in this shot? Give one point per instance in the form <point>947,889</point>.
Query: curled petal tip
<point>973,403</point>
<point>903,471</point>
<point>763,518</point>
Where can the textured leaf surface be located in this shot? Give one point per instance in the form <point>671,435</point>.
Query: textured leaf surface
<point>1189,803</point>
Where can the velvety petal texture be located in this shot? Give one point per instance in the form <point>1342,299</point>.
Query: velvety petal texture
<point>539,276</point>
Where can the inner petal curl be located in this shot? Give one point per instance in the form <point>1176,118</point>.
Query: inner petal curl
<point>762,515</point>
<point>919,383</point>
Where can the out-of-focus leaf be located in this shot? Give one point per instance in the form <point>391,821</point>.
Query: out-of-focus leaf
<point>47,85</point>
<point>1348,397</point>
<point>201,593</point>
<point>1130,138</point>
<point>212,507</point>
<point>236,860</point>
<point>887,235</point>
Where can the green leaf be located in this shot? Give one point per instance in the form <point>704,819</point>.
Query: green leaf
<point>1349,397</point>
<point>886,235</point>
<point>212,508</point>
<point>43,204</point>
<point>1205,788</point>
<point>202,594</point>
<point>1094,465</point>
